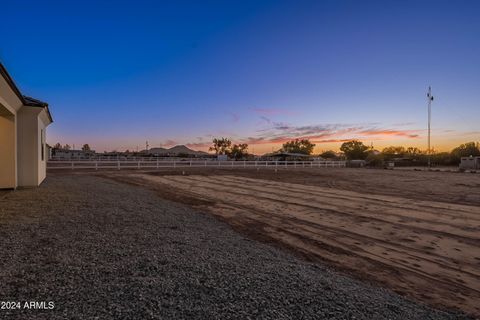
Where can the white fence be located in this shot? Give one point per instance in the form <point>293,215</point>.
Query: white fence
<point>159,164</point>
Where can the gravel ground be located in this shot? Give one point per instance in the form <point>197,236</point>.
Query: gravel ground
<point>102,249</point>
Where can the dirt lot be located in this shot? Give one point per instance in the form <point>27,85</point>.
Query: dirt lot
<point>417,233</point>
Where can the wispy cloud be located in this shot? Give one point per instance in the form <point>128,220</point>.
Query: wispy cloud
<point>273,111</point>
<point>234,117</point>
<point>402,124</point>
<point>280,132</point>
<point>267,120</point>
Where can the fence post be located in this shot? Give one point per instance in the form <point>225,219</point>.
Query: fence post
<point>72,165</point>
<point>157,163</point>
<point>255,163</point>
<point>174,164</point>
<point>205,163</point>
<point>96,165</point>
<point>244,163</point>
<point>190,163</point>
<point>276,164</point>
<point>138,165</point>
<point>295,163</point>
<point>118,164</point>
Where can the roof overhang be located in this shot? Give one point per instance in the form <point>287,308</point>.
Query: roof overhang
<point>31,102</point>
<point>27,101</point>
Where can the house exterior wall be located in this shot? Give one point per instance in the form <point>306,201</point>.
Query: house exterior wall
<point>43,122</point>
<point>28,144</point>
<point>22,136</point>
<point>8,168</point>
<point>8,99</point>
<point>9,104</point>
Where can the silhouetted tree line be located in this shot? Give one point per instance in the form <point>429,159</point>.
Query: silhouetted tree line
<point>409,156</point>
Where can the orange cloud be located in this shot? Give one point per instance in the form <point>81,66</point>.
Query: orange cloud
<point>399,133</point>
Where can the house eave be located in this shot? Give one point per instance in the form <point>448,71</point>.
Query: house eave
<point>27,101</point>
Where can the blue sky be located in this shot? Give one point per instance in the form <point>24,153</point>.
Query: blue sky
<point>118,73</point>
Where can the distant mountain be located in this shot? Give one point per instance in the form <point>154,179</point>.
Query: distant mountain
<point>155,150</point>
<point>181,149</point>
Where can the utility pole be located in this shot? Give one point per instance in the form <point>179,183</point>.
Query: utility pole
<point>430,99</point>
<point>146,146</point>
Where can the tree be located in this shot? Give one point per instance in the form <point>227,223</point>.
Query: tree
<point>442,158</point>
<point>86,148</point>
<point>413,152</point>
<point>57,146</point>
<point>374,159</point>
<point>303,146</point>
<point>238,151</point>
<point>67,147</point>
<point>465,150</point>
<point>221,146</point>
<point>354,150</point>
<point>393,152</point>
<point>328,154</point>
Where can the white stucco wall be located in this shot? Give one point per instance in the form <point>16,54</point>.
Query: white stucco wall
<point>43,122</point>
<point>32,169</point>
<point>21,141</point>
<point>8,99</point>
<point>8,168</point>
<point>27,148</point>
<point>9,104</point>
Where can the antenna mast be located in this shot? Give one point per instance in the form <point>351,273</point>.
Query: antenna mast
<point>430,99</point>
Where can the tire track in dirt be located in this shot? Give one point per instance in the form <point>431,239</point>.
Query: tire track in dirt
<point>366,236</point>
<point>406,281</point>
<point>330,237</point>
<point>471,212</point>
<point>378,210</point>
<point>381,240</point>
<point>263,198</point>
<point>335,210</point>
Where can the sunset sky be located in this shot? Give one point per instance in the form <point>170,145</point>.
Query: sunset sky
<point>118,73</point>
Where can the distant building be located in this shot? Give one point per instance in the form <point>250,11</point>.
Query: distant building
<point>222,157</point>
<point>288,156</point>
<point>23,123</point>
<point>470,163</point>
<point>356,163</point>
<point>62,154</point>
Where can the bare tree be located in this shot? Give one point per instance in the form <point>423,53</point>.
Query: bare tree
<point>221,146</point>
